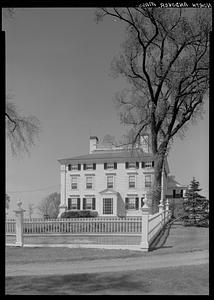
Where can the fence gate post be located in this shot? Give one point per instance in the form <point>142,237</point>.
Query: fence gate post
<point>144,245</point>
<point>19,224</point>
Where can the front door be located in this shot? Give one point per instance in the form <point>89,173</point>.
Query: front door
<point>107,206</point>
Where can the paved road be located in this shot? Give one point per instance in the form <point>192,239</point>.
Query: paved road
<point>109,265</point>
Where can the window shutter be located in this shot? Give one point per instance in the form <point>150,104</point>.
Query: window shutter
<point>94,166</point>
<point>105,166</point>
<point>115,165</point>
<point>78,203</point>
<point>93,204</point>
<point>137,203</point>
<point>181,193</point>
<point>79,167</point>
<point>142,203</point>
<point>174,193</point>
<point>84,203</point>
<point>153,163</point>
<point>126,203</point>
<point>137,164</point>
<point>127,165</point>
<point>69,167</point>
<point>84,166</point>
<point>69,203</point>
<point>142,164</point>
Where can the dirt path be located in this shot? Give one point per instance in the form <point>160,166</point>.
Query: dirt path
<point>109,265</point>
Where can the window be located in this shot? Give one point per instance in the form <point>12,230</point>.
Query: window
<point>89,182</point>
<point>131,165</point>
<point>73,203</point>
<point>110,182</point>
<point>132,203</point>
<point>148,164</point>
<point>74,167</point>
<point>89,203</point>
<point>107,206</point>
<point>110,165</point>
<point>148,180</point>
<point>132,181</point>
<point>74,182</point>
<point>89,166</point>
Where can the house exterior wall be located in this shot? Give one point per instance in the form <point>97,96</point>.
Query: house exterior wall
<point>121,181</point>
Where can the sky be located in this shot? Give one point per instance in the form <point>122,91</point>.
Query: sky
<point>58,66</point>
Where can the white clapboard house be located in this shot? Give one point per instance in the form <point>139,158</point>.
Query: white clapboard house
<point>110,180</point>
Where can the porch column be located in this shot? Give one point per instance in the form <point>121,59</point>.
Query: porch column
<point>63,203</point>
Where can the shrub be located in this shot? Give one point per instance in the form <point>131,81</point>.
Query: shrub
<point>79,214</point>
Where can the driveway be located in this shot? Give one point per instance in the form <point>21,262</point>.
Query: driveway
<point>110,265</point>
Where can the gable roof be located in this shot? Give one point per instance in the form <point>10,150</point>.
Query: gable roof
<point>172,183</point>
<point>114,156</point>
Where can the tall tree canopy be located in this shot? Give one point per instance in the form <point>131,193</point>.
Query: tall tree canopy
<point>165,60</point>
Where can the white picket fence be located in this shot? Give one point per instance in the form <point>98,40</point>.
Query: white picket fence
<point>156,223</point>
<point>145,227</point>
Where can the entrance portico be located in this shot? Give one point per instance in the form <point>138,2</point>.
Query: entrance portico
<point>108,200</point>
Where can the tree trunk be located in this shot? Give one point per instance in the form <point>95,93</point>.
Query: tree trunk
<point>158,166</point>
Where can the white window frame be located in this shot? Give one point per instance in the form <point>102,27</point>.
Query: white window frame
<point>133,206</point>
<point>74,167</point>
<point>110,166</point>
<point>110,176</point>
<point>74,199</point>
<point>87,200</point>
<point>132,187</point>
<point>74,177</point>
<point>132,165</point>
<point>148,164</point>
<point>89,167</point>
<point>146,181</point>
<point>92,182</point>
<point>106,208</point>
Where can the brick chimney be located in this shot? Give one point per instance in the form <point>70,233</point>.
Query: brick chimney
<point>93,143</point>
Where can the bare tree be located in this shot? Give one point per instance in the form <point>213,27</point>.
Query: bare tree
<point>165,60</point>
<point>21,131</point>
<point>49,206</point>
<point>30,209</point>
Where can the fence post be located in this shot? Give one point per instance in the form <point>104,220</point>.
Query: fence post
<point>19,224</point>
<point>144,245</point>
<point>161,210</point>
<point>167,209</point>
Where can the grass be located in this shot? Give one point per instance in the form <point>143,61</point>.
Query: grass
<point>38,255</point>
<point>184,280</point>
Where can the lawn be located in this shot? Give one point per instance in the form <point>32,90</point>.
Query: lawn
<point>184,280</point>
<point>47,254</point>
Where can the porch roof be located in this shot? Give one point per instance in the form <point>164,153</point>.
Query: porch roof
<point>108,191</point>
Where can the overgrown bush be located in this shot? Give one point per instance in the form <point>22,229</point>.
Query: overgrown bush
<point>79,214</point>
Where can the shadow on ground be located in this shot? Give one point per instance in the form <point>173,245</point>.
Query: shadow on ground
<point>161,239</point>
<point>183,280</point>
